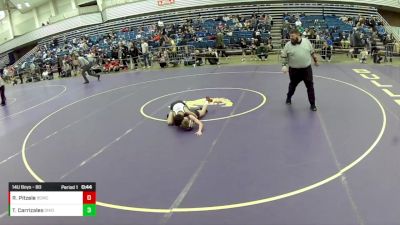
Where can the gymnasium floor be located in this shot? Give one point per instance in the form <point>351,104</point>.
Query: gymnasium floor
<point>259,161</point>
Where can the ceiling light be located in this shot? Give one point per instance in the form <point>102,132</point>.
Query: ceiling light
<point>27,4</point>
<point>19,6</point>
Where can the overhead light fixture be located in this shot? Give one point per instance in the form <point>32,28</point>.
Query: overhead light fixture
<point>27,4</point>
<point>19,6</point>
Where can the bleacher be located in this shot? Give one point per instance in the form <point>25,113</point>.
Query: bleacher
<point>275,10</point>
<point>209,15</point>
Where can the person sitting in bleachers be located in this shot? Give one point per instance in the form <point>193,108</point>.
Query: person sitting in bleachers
<point>298,23</point>
<point>160,25</point>
<point>111,65</point>
<point>115,65</point>
<point>47,74</point>
<point>107,66</point>
<point>156,37</point>
<point>238,25</point>
<point>344,40</point>
<point>225,18</point>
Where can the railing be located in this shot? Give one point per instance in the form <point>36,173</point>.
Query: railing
<point>4,61</point>
<point>391,52</point>
<point>175,53</point>
<point>27,55</point>
<point>172,16</point>
<point>389,29</point>
<point>317,44</point>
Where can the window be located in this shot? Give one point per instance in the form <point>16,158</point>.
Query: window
<point>2,15</point>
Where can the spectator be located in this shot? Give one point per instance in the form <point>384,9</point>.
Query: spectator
<point>326,52</point>
<point>146,53</point>
<point>20,69</point>
<point>160,26</point>
<point>357,42</point>
<point>254,44</point>
<point>364,55</point>
<point>262,52</point>
<point>174,49</point>
<point>134,53</point>
<point>123,55</point>
<point>107,66</point>
<point>312,37</point>
<point>270,20</point>
<point>375,53</point>
<point>2,90</point>
<point>115,65</point>
<point>225,18</point>
<point>397,47</point>
<point>220,45</point>
<point>243,46</point>
<point>163,58</point>
<point>270,46</point>
<point>212,57</point>
<point>239,25</point>
<point>389,43</point>
<point>298,23</point>
<point>66,67</point>
<point>344,40</point>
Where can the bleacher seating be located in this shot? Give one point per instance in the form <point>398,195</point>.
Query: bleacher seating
<point>208,29</point>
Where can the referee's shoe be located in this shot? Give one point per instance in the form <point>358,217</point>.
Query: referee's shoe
<point>313,108</point>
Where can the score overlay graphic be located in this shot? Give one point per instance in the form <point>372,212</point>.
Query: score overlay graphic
<point>52,199</point>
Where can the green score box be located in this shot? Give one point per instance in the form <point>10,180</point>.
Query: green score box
<point>89,210</point>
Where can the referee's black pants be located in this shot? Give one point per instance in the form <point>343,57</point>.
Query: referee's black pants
<point>2,95</point>
<point>86,69</point>
<point>298,75</point>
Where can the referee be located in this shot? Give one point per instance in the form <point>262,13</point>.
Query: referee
<point>297,55</point>
<point>85,66</point>
<point>2,90</point>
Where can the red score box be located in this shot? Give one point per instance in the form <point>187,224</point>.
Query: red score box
<point>89,197</point>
